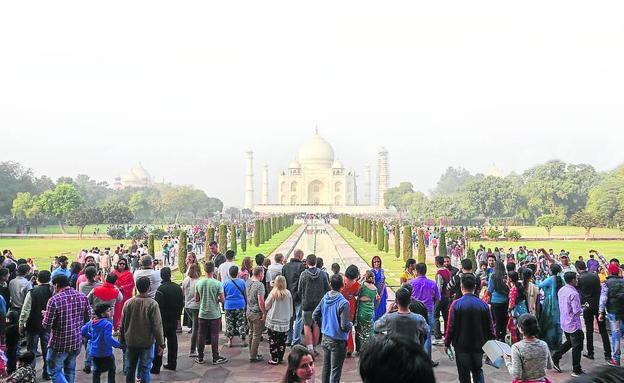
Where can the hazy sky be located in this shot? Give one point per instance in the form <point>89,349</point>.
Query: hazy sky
<point>185,87</point>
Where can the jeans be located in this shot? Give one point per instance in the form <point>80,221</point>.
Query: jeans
<point>335,352</point>
<point>88,361</point>
<point>171,338</point>
<point>101,365</point>
<point>33,338</point>
<point>617,327</point>
<point>255,332</point>
<point>469,364</point>
<point>589,316</point>
<point>62,365</point>
<point>294,335</point>
<point>140,358</point>
<point>501,315</point>
<point>428,341</point>
<point>193,314</point>
<point>573,341</point>
<point>214,326</point>
<point>441,308</point>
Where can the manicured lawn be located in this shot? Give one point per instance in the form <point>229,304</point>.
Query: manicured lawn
<point>610,249</point>
<point>536,231</point>
<point>55,229</point>
<point>392,266</point>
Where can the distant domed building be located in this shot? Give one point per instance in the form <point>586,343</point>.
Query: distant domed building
<point>137,177</point>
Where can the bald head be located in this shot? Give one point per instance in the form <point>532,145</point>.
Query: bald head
<point>298,254</point>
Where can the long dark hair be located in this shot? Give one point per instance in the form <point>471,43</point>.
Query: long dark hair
<point>555,269</point>
<point>527,274</point>
<point>514,277</point>
<point>499,278</point>
<point>296,353</point>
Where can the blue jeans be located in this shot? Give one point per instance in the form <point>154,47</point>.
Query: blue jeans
<point>34,339</point>
<point>62,365</point>
<point>139,360</point>
<point>88,361</point>
<point>294,335</point>
<point>617,327</point>
<point>428,341</point>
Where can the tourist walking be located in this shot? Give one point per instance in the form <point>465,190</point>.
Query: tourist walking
<point>365,312</point>
<point>125,284</point>
<point>191,306</point>
<point>30,320</point>
<point>170,299</point>
<point>312,286</point>
<point>209,294</point>
<point>300,366</point>
<point>279,308</point>
<point>570,316</point>
<point>234,306</point>
<point>256,312</point>
<point>454,285</point>
<point>403,323</point>
<point>442,279</point>
<point>224,268</point>
<point>66,312</point>
<point>517,303</point>
<point>530,357</point>
<point>350,292</point>
<point>426,291</point>
<point>549,319</point>
<point>611,307</point>
<point>469,327</point>
<point>100,332</point>
<point>292,271</point>
<point>380,283</point>
<point>588,286</point>
<point>147,270</point>
<point>106,293</point>
<point>141,332</point>
<point>499,292</point>
<point>333,317</point>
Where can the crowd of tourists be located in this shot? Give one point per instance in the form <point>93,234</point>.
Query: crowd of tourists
<point>535,300</point>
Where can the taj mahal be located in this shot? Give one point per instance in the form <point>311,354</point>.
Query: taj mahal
<point>317,182</point>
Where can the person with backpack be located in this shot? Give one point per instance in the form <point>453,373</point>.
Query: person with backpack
<point>312,286</point>
<point>442,278</point>
<point>100,331</point>
<point>611,307</point>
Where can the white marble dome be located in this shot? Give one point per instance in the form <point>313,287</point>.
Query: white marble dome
<point>294,164</point>
<point>316,153</point>
<point>337,164</point>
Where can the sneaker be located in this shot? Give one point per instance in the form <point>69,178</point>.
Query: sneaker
<point>199,360</point>
<point>613,362</point>
<point>220,360</point>
<point>258,358</point>
<point>577,373</point>
<point>87,370</point>
<point>588,355</point>
<point>556,366</point>
<point>273,362</point>
<point>192,354</point>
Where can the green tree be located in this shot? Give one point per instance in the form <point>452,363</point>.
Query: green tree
<point>210,235</point>
<point>14,178</point>
<point>394,195</point>
<point>374,235</point>
<point>222,237</point>
<point>397,241</point>
<point>549,221</point>
<point>116,213</point>
<point>83,216</point>
<point>256,233</point>
<point>386,237</point>
<point>182,252</point>
<point>150,245</point>
<point>442,247</point>
<point>421,246</point>
<point>493,197</point>
<point>233,244</point>
<point>244,237</point>
<point>407,242</point>
<point>452,181</point>
<point>607,198</point>
<point>380,235</point>
<point>25,209</point>
<point>60,202</point>
<point>587,220</point>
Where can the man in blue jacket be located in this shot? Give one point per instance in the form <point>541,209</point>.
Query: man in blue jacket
<point>334,319</point>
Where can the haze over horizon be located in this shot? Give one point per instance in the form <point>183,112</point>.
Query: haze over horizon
<point>186,89</point>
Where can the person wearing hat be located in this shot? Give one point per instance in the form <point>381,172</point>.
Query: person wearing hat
<point>612,307</point>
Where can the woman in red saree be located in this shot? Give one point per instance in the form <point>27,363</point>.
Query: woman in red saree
<point>125,283</point>
<point>350,292</point>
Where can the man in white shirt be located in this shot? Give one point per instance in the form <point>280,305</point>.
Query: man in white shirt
<point>566,265</point>
<point>147,270</point>
<point>224,268</point>
<point>275,269</point>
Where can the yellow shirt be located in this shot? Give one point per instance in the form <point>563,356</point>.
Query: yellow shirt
<point>406,276</point>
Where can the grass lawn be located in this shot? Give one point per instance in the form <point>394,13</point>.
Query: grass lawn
<point>610,249</point>
<point>392,266</point>
<point>55,229</point>
<point>536,231</point>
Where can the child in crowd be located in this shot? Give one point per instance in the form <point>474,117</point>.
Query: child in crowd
<point>100,331</point>
<point>12,340</point>
<point>25,372</point>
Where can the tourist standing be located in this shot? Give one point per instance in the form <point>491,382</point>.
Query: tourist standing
<point>350,292</point>
<point>380,283</point>
<point>125,284</point>
<point>292,271</point>
<point>408,273</point>
<point>529,357</point>
<point>224,268</point>
<point>570,314</point>
<point>246,269</point>
<point>170,301</point>
<point>191,306</point>
<point>67,310</point>
<point>62,268</point>
<point>532,292</point>
<point>215,256</point>
<point>426,291</point>
<point>141,329</point>
<point>588,286</point>
<point>19,287</point>
<point>469,327</point>
<point>300,366</point>
<point>442,279</point>
<point>612,308</point>
<point>100,332</point>
<point>256,312</point>
<point>30,321</point>
<point>550,315</point>
<point>404,323</point>
<point>275,268</point>
<point>517,303</point>
<point>209,294</point>
<point>147,270</point>
<point>366,298</point>
<point>499,291</point>
<point>312,286</point>
<point>279,308</point>
<point>234,306</point>
<point>333,317</point>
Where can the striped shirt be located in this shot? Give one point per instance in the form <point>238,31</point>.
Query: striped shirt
<point>66,313</point>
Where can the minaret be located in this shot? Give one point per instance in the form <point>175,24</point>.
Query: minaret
<point>367,185</point>
<point>383,176</point>
<point>265,184</point>
<point>249,185</point>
